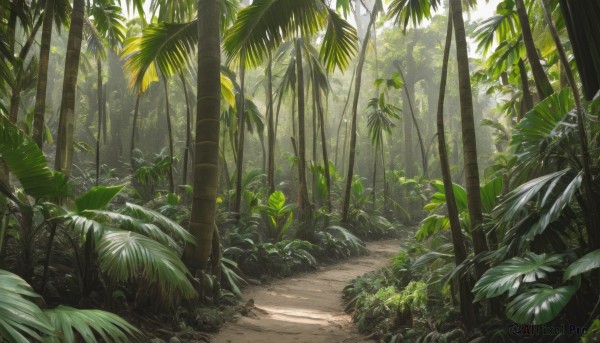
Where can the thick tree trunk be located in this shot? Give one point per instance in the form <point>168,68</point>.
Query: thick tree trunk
<point>468,133</point>
<point>460,252</point>
<point>206,150</point>
<point>40,98</point>
<point>542,84</point>
<point>66,124</point>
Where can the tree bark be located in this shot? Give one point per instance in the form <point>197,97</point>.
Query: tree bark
<point>188,130</point>
<point>527,98</point>
<point>270,128</point>
<point>302,184</point>
<point>471,168</point>
<point>460,253</point>
<point>40,98</point>
<point>170,136</point>
<point>542,84</point>
<point>206,149</point>
<point>100,107</point>
<point>241,122</point>
<point>66,124</point>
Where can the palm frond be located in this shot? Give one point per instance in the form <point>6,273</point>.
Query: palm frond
<point>411,11</point>
<point>27,162</point>
<point>20,319</point>
<point>97,198</point>
<point>339,42</point>
<point>89,324</point>
<point>167,46</point>
<point>150,216</point>
<point>125,256</point>
<point>109,22</point>
<point>508,276</point>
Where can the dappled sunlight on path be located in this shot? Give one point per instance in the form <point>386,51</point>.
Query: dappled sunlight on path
<point>306,307</point>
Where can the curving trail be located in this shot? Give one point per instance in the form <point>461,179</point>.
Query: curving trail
<point>308,307</point>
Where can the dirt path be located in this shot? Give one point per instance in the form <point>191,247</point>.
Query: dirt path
<point>307,308</point>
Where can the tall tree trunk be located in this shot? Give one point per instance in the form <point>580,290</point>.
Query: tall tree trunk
<point>409,88</point>
<point>302,184</point>
<point>416,123</point>
<point>66,124</point>
<point>357,83</point>
<point>188,130</point>
<point>324,148</point>
<point>134,131</point>
<point>592,213</point>
<point>170,136</point>
<point>468,133</point>
<point>241,122</point>
<point>542,84</point>
<point>337,140</point>
<point>206,150</point>
<point>100,107</point>
<point>40,98</point>
<point>270,128</point>
<point>527,98</point>
<point>460,253</point>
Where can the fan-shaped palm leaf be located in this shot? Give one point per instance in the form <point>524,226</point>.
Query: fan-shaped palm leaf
<point>499,28</point>
<point>20,319</point>
<point>266,24</point>
<point>165,223</point>
<point>89,324</point>
<point>411,11</point>
<point>97,198</point>
<point>509,275</point>
<point>124,256</point>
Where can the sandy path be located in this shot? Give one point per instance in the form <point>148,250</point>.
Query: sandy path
<point>306,308</point>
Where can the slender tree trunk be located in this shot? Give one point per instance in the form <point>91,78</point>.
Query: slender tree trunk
<point>206,150</point>
<point>170,134</point>
<point>270,128</point>
<point>542,84</point>
<point>416,123</point>
<point>188,130</point>
<point>592,213</point>
<point>460,253</point>
<point>527,98</point>
<point>66,124</point>
<point>357,83</point>
<point>40,98</point>
<point>314,139</point>
<point>303,190</point>
<point>324,149</point>
<point>100,106</point>
<point>337,140</point>
<point>374,193</point>
<point>241,121</point>
<point>134,131</point>
<point>468,133</point>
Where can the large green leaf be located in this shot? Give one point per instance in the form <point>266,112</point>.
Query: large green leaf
<point>411,11</point>
<point>27,163</point>
<point>584,264</point>
<point>89,324</point>
<point>125,256</point>
<point>276,200</point>
<point>539,305</point>
<point>490,192</point>
<point>97,198</point>
<point>20,319</point>
<point>460,194</point>
<point>509,275</point>
<point>149,216</point>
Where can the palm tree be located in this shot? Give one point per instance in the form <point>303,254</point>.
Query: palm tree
<point>460,251</point>
<point>40,99</point>
<point>64,140</point>
<point>206,149</point>
<point>468,132</point>
<point>357,82</point>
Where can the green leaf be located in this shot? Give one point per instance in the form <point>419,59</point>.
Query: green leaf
<point>125,256</point>
<point>97,198</point>
<point>586,263</point>
<point>460,194</point>
<point>89,324</point>
<point>149,216</point>
<point>539,305</point>
<point>509,275</point>
<point>276,200</point>
<point>27,163</point>
<point>20,318</point>
<point>490,192</point>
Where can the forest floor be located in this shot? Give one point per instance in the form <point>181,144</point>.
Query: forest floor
<point>306,307</point>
